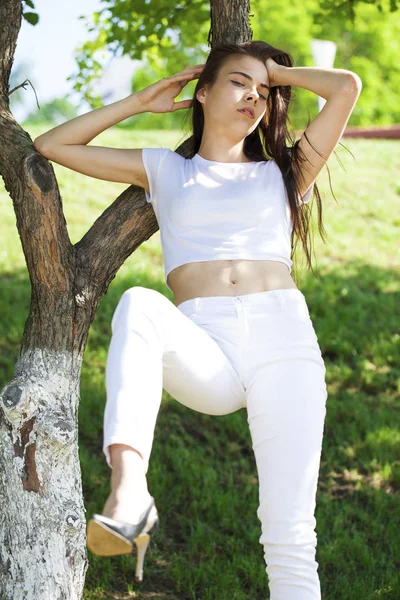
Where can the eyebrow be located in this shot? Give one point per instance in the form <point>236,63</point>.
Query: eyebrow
<point>248,77</point>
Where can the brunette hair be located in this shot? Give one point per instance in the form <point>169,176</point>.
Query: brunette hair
<point>270,140</point>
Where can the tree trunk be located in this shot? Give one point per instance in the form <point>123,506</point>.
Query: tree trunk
<point>229,22</point>
<point>42,515</point>
<point>42,523</point>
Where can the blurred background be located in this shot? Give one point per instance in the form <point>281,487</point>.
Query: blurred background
<point>106,50</point>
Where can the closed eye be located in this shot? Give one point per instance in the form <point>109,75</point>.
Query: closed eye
<point>238,83</point>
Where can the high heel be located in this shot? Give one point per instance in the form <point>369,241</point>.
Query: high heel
<point>108,537</point>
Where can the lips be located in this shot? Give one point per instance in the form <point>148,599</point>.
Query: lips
<point>247,111</point>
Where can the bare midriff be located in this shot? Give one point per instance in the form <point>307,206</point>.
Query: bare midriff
<point>228,278</point>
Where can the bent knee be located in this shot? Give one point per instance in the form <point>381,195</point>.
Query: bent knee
<point>137,299</point>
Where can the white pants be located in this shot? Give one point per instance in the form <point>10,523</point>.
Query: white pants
<point>216,355</point>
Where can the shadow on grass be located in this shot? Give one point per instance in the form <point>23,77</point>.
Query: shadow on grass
<point>202,471</point>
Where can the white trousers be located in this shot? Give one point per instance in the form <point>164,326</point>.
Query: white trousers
<point>216,355</point>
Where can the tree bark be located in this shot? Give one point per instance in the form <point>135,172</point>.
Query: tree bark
<point>42,516</point>
<point>229,22</point>
<point>42,523</point>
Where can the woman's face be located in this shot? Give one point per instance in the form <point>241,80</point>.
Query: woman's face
<point>233,91</point>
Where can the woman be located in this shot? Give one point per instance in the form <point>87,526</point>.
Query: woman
<point>239,334</point>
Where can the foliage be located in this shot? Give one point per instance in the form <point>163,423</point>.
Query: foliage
<point>370,47</point>
<point>171,35</point>
<point>56,111</point>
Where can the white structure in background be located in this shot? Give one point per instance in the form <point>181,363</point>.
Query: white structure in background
<point>115,82</point>
<point>324,53</point>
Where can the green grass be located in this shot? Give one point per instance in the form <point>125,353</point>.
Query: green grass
<point>202,470</point>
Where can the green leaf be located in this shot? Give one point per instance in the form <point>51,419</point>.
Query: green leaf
<point>32,18</point>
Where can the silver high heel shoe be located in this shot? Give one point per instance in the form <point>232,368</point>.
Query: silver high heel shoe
<point>108,537</point>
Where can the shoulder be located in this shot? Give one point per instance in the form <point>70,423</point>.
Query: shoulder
<point>155,153</point>
<point>160,155</point>
<point>273,168</point>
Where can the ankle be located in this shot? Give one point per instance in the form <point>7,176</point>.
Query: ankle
<point>125,505</point>
<point>128,480</point>
<point>124,492</point>
<point>128,468</point>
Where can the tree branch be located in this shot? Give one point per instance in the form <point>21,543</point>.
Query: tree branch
<point>119,230</point>
<point>122,227</point>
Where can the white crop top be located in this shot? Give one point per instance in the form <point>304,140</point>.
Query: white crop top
<point>210,210</point>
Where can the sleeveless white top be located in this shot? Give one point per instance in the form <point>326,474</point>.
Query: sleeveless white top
<point>210,210</point>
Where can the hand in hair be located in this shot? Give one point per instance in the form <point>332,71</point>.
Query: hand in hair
<point>159,97</point>
<point>272,68</point>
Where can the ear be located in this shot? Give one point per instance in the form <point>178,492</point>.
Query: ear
<point>201,95</point>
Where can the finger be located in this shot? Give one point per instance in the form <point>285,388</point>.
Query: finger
<point>182,104</point>
<point>195,66</point>
<point>185,71</point>
<point>183,79</point>
<point>182,74</point>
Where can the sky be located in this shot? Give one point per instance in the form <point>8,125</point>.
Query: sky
<point>48,47</point>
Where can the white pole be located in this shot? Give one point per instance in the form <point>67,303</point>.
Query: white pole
<point>324,53</point>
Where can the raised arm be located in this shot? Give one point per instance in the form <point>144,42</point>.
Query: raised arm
<point>341,89</point>
<point>66,144</point>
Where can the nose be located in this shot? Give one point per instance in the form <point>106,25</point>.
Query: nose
<point>253,94</point>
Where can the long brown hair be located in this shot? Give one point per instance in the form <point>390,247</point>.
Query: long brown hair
<point>270,140</point>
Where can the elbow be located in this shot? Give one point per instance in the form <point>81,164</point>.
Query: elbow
<point>352,84</point>
<point>41,147</point>
<point>38,144</point>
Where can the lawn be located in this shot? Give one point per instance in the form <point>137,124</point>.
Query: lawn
<point>202,470</point>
